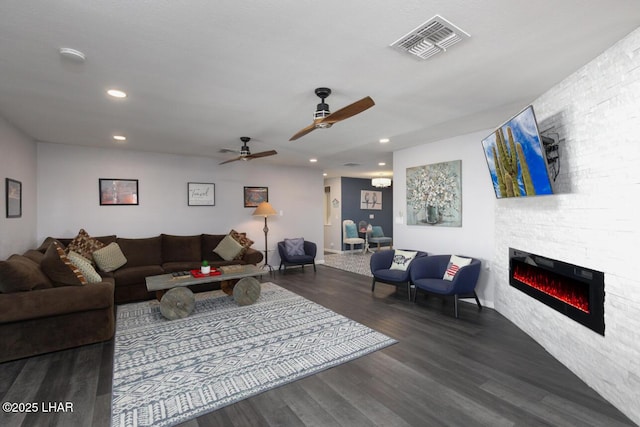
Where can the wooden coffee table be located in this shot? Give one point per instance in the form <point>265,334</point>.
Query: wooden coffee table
<point>163,282</point>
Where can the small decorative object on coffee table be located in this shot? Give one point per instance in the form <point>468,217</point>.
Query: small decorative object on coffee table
<point>177,303</point>
<point>205,268</point>
<point>246,291</point>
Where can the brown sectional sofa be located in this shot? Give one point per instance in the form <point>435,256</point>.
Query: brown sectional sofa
<point>39,317</point>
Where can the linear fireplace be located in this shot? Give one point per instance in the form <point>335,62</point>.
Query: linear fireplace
<point>575,291</point>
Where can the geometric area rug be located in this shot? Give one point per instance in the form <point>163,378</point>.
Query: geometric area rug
<point>169,371</point>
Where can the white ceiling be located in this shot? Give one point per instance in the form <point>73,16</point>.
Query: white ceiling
<point>202,73</point>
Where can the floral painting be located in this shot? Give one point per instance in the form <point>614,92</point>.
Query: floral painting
<point>434,194</point>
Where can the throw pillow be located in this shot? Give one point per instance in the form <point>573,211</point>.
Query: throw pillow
<point>59,269</point>
<point>84,245</point>
<point>109,258</point>
<point>19,273</point>
<point>455,264</point>
<point>402,259</point>
<point>85,267</point>
<point>46,243</point>
<point>228,248</point>
<point>351,230</point>
<point>294,246</point>
<point>243,240</point>
<point>376,231</point>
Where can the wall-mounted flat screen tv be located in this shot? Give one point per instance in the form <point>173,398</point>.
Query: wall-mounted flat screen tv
<point>516,158</point>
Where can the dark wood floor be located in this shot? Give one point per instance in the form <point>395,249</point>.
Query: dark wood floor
<point>476,370</point>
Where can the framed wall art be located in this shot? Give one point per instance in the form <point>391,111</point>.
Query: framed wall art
<point>13,193</point>
<point>371,200</point>
<point>434,194</point>
<point>253,196</point>
<point>201,194</point>
<point>115,191</point>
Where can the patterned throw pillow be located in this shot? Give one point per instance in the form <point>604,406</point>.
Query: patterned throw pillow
<point>244,241</point>
<point>84,245</point>
<point>110,257</point>
<point>455,264</point>
<point>85,267</point>
<point>402,259</point>
<point>294,246</point>
<point>57,266</point>
<point>228,248</point>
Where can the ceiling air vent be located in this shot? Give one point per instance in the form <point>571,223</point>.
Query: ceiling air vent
<point>351,165</point>
<point>434,36</point>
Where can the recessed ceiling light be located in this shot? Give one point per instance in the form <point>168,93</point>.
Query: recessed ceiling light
<point>72,54</point>
<point>324,174</point>
<point>313,160</point>
<point>119,138</point>
<point>116,93</point>
<point>382,164</point>
<point>384,140</point>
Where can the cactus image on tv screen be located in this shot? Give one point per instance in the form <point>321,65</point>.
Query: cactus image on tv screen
<point>516,159</point>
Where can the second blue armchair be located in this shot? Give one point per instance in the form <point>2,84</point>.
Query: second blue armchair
<point>427,275</point>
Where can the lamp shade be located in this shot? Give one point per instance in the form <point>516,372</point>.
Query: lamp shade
<point>264,209</point>
<point>381,182</point>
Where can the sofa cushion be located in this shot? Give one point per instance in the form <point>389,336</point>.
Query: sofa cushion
<point>84,245</point>
<point>402,259</point>
<point>455,264</point>
<point>140,252</point>
<point>181,248</point>
<point>228,248</point>
<point>173,266</point>
<point>34,255</point>
<point>128,276</point>
<point>294,247</point>
<point>20,273</point>
<point>109,258</point>
<point>244,241</point>
<point>59,269</point>
<point>85,267</point>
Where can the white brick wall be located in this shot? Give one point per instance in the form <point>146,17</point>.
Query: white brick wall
<point>594,221</point>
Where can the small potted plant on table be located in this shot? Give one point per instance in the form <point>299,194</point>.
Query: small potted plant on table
<point>205,268</point>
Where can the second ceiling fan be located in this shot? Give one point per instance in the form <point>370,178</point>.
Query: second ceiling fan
<point>245,153</point>
<point>323,118</point>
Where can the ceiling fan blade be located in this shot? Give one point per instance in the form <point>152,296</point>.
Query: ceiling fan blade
<point>231,160</point>
<point>303,132</point>
<point>349,111</point>
<point>262,154</point>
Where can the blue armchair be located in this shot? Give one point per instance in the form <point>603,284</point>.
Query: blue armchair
<point>427,275</point>
<point>381,271</point>
<point>309,257</point>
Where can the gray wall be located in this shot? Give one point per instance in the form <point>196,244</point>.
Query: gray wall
<point>68,196</point>
<point>18,162</point>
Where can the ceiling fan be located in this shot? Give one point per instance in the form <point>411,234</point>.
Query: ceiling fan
<point>323,118</point>
<point>245,153</point>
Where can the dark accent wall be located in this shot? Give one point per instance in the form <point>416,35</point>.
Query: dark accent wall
<point>351,188</point>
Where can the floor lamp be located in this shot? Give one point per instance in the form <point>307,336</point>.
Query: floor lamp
<point>265,209</point>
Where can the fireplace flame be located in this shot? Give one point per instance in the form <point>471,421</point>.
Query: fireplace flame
<point>566,291</point>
